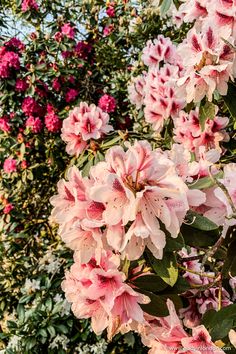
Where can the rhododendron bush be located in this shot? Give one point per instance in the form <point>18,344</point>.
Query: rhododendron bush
<point>121,150</point>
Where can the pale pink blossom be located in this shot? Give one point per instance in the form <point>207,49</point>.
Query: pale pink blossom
<point>209,62</point>
<point>97,291</point>
<point>201,339</point>
<point>188,131</point>
<point>84,122</point>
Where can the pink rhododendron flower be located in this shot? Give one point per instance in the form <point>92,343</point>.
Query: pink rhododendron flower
<point>52,121</point>
<point>161,98</point>
<point>56,85</point>
<point>21,85</point>
<point>134,188</point>
<point>107,103</point>
<point>35,124</point>
<point>188,131</point>
<point>110,10</point>
<point>159,50</point>
<point>9,61</point>
<point>71,95</point>
<point>4,124</point>
<point>209,60</point>
<point>201,339</point>
<point>108,30</point>
<point>31,107</point>
<point>84,122</point>
<point>136,90</point>
<point>8,208</point>
<point>9,165</point>
<point>27,5</point>
<point>97,291</point>
<point>82,49</point>
<point>163,334</point>
<point>68,30</point>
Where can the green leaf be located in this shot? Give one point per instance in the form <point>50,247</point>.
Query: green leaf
<point>165,5</point>
<point>25,299</point>
<point>150,282</point>
<point>111,142</point>
<point>51,331</point>
<point>230,262</point>
<point>229,99</point>
<point>220,322</point>
<point>205,182</point>
<point>87,167</point>
<point>207,111</point>
<point>200,222</point>
<point>21,312</point>
<point>166,268</point>
<point>174,244</point>
<point>197,238</point>
<point>156,307</point>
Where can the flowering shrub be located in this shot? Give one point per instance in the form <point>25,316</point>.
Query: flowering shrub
<point>130,110</point>
<point>151,215</point>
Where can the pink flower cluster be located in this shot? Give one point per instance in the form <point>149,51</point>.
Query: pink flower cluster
<point>220,207</point>
<point>68,30</point>
<point>84,123</point>
<point>28,5</point>
<point>97,290</point>
<point>31,107</point>
<point>52,121</point>
<point>157,89</point>
<point>207,52</point>
<point>107,103</point>
<point>166,335</point>
<point>9,61</point>
<point>189,133</point>
<point>4,124</point>
<point>35,124</point>
<point>10,165</point>
<point>125,195</point>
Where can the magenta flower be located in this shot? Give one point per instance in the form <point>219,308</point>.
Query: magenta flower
<point>35,124</point>
<point>56,85</point>
<point>28,5</point>
<point>21,85</point>
<point>110,11</point>
<point>52,121</point>
<point>82,49</point>
<point>108,30</point>
<point>4,125</point>
<point>107,103</point>
<point>31,107</point>
<point>9,165</point>
<point>71,95</point>
<point>8,208</point>
<point>68,30</point>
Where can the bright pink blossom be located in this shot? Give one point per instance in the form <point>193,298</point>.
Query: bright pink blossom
<point>35,124</point>
<point>71,95</point>
<point>31,107</point>
<point>52,122</point>
<point>21,85</point>
<point>27,5</point>
<point>68,30</point>
<point>4,124</point>
<point>8,208</point>
<point>107,103</point>
<point>9,165</point>
<point>110,11</point>
<point>108,30</point>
